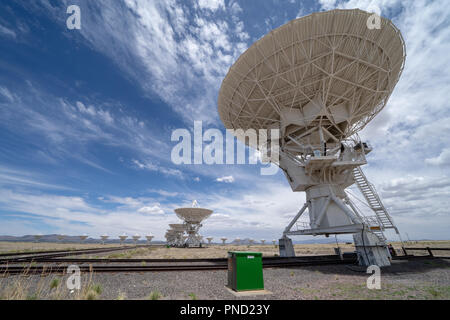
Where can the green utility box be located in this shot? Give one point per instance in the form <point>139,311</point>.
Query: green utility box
<point>245,271</point>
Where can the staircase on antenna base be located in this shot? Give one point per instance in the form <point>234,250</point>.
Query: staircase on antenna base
<point>382,220</point>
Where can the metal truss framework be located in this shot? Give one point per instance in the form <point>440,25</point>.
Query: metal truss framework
<point>320,59</point>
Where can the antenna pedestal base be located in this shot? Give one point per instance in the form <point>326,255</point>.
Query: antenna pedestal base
<point>286,247</point>
<point>370,250</point>
<point>193,240</point>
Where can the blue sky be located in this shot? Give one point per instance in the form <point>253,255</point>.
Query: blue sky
<point>86,118</point>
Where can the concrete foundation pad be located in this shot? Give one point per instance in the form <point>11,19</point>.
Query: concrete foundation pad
<point>248,293</point>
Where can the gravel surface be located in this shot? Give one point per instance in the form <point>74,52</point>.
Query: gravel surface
<point>414,279</point>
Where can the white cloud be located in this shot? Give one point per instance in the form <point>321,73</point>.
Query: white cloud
<point>212,5</point>
<point>12,177</point>
<point>7,94</point>
<point>327,4</point>
<point>155,209</point>
<point>74,215</point>
<point>234,8</point>
<point>301,13</point>
<point>7,32</point>
<point>164,193</point>
<point>442,160</point>
<point>227,179</point>
<point>147,165</point>
<point>70,129</point>
<point>177,51</point>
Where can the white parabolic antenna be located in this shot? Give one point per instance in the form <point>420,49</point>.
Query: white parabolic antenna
<point>192,220</point>
<point>178,234</point>
<point>149,238</point>
<point>193,215</point>
<point>104,238</point>
<point>122,238</point>
<point>136,237</point>
<point>172,237</point>
<point>317,81</point>
<point>178,227</point>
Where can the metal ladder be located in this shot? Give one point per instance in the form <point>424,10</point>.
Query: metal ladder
<point>374,201</point>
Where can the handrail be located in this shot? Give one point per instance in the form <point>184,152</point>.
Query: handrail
<point>430,250</point>
<point>426,248</point>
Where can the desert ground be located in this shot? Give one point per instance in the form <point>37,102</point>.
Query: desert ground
<point>405,279</point>
<point>16,247</point>
<point>210,251</point>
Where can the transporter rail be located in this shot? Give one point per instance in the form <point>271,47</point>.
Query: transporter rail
<point>86,265</point>
<point>199,265</point>
<point>36,255</point>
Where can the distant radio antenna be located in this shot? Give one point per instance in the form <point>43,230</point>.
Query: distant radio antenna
<point>193,218</point>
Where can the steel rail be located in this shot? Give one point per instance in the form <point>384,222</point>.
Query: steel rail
<point>9,270</point>
<point>28,258</point>
<point>218,264</point>
<point>147,260</point>
<point>10,254</point>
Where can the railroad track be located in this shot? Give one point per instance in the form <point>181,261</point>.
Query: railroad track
<point>38,255</point>
<point>58,257</point>
<point>188,266</point>
<point>51,259</point>
<point>9,254</point>
<point>86,265</point>
<point>124,260</point>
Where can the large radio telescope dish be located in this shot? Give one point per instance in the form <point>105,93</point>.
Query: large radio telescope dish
<point>178,227</point>
<point>193,215</point>
<point>192,222</point>
<point>326,69</point>
<point>319,80</point>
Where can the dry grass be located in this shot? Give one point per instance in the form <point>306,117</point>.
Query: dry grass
<point>154,295</point>
<point>128,254</point>
<point>268,250</point>
<point>19,247</point>
<point>48,287</point>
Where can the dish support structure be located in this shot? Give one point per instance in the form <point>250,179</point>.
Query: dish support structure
<point>324,178</point>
